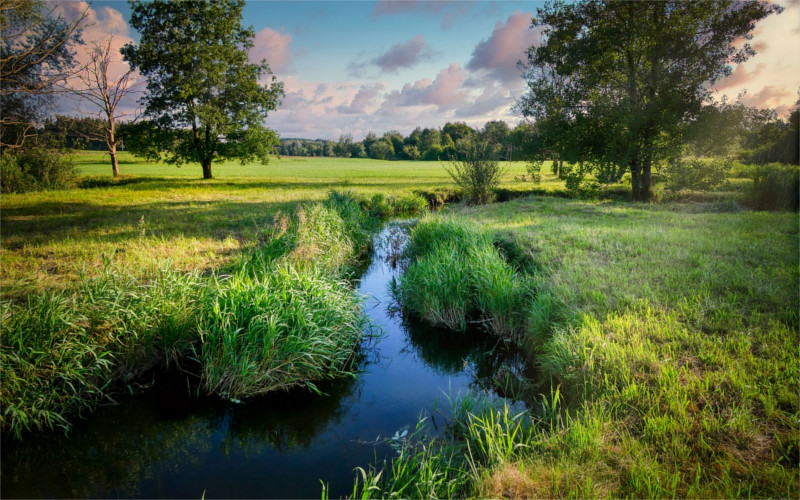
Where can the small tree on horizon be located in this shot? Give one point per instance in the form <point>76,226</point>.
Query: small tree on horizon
<point>203,94</point>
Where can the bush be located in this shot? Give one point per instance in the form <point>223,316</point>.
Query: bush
<point>776,186</point>
<point>36,169</point>
<point>697,174</point>
<point>478,174</point>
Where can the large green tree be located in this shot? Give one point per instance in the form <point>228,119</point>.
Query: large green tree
<point>633,74</point>
<point>203,93</point>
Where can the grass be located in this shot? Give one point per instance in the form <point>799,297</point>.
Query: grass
<point>665,335</point>
<point>157,212</point>
<point>666,339</point>
<point>279,317</point>
<point>457,277</point>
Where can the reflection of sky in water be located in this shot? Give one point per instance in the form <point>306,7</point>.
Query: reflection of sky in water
<point>168,444</point>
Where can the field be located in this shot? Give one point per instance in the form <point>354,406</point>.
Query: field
<point>664,336</point>
<point>158,212</point>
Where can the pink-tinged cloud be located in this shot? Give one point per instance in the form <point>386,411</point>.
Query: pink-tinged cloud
<point>99,26</point>
<point>487,104</point>
<point>404,54</point>
<point>362,100</point>
<point>498,55</point>
<point>777,98</point>
<point>739,77</point>
<point>275,47</point>
<point>444,91</point>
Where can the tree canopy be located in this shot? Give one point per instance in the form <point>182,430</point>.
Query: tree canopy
<point>614,83</point>
<point>203,94</point>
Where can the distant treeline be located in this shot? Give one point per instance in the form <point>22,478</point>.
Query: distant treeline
<point>429,144</point>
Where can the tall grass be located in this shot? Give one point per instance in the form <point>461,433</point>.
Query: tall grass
<point>283,316</point>
<point>480,433</point>
<point>284,329</point>
<point>457,277</point>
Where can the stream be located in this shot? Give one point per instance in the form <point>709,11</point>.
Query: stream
<point>168,442</point>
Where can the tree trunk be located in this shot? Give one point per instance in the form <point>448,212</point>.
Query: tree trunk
<point>646,192</point>
<point>206,168</point>
<point>636,181</point>
<point>112,151</point>
<point>560,172</point>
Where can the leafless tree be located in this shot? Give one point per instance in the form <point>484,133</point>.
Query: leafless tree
<point>100,89</point>
<point>36,57</point>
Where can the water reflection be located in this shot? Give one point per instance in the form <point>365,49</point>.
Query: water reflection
<point>169,443</point>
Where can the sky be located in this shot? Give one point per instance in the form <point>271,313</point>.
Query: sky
<point>360,66</point>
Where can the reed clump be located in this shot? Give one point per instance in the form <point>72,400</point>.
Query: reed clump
<point>457,277</point>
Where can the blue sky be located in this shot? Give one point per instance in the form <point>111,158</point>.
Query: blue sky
<point>356,66</point>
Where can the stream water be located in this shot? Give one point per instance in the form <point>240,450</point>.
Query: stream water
<point>168,442</point>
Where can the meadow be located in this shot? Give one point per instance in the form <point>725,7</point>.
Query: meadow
<point>664,335</point>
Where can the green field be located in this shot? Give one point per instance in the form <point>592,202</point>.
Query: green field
<point>663,335</point>
<point>157,212</point>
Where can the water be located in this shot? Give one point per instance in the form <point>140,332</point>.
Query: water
<point>167,442</point>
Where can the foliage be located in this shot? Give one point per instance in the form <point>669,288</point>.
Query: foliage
<point>621,79</point>
<point>697,174</point>
<point>776,186</point>
<point>36,169</point>
<point>36,57</point>
<point>782,147</point>
<point>202,93</point>
<point>477,174</point>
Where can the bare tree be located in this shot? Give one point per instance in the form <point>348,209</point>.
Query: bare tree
<point>100,89</point>
<point>35,58</point>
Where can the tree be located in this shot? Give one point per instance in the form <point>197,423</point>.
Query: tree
<point>478,173</point>
<point>342,148</point>
<point>99,87</point>
<point>202,92</point>
<point>36,58</point>
<point>637,72</point>
<point>458,130</point>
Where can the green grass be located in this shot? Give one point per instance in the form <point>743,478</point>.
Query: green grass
<point>279,317</point>
<point>666,340</point>
<point>457,277</point>
<point>161,212</point>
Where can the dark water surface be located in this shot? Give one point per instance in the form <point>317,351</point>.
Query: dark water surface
<point>169,443</point>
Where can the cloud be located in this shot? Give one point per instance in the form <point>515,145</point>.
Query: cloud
<point>404,54</point>
<point>444,91</point>
<point>490,100</point>
<point>498,54</point>
<point>100,25</point>
<point>770,96</point>
<point>274,46</point>
<point>772,76</point>
<point>365,97</point>
<point>739,77</point>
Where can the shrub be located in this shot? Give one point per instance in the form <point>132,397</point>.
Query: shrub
<point>36,169</point>
<point>697,174</point>
<point>776,186</point>
<point>477,174</point>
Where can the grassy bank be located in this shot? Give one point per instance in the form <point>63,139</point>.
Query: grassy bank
<point>280,316</point>
<point>666,340</point>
